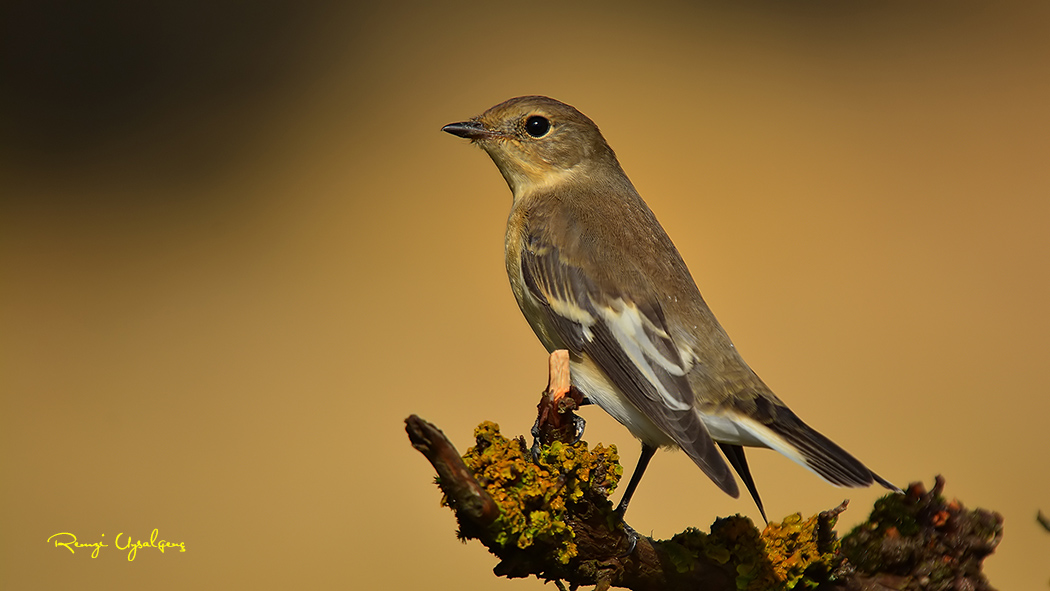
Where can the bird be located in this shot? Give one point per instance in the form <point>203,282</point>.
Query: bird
<point>594,273</point>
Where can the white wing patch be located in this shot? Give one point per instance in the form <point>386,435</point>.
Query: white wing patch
<point>628,327</point>
<point>570,310</point>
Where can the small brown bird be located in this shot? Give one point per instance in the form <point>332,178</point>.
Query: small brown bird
<point>595,273</point>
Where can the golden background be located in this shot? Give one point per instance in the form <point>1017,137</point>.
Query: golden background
<point>236,252</point>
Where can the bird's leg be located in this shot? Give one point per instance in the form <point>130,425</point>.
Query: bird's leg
<point>643,461</point>
<point>556,406</point>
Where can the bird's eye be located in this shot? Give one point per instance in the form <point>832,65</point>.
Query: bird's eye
<point>537,126</point>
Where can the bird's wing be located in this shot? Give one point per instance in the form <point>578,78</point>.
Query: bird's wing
<point>626,335</point>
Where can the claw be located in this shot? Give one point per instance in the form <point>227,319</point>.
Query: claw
<point>632,540</point>
<point>535,449</point>
<point>579,424</point>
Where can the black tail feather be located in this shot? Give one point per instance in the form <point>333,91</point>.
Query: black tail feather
<point>833,463</point>
<point>885,483</point>
<point>735,455</point>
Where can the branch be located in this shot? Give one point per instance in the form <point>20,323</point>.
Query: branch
<point>464,494</point>
<point>582,546</point>
<point>545,512</point>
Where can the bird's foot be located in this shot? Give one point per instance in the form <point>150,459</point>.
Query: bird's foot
<point>632,540</point>
<point>579,425</point>
<point>540,436</point>
<point>535,449</point>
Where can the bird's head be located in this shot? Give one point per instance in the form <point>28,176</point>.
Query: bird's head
<point>538,142</point>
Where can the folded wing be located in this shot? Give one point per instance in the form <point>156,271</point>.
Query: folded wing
<point>626,335</point>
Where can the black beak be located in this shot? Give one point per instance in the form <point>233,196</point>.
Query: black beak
<point>472,130</point>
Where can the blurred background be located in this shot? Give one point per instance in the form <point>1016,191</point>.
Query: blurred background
<point>236,251</point>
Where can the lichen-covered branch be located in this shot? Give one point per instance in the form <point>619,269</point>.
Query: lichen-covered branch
<point>554,519</point>
<point>919,540</point>
<point>463,493</point>
<point>547,514</point>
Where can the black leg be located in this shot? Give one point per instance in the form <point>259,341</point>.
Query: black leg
<point>643,461</point>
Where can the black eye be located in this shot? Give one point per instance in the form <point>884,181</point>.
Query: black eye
<point>537,126</point>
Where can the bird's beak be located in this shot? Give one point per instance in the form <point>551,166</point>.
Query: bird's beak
<point>472,130</point>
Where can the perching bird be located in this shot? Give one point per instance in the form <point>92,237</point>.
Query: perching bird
<point>595,273</point>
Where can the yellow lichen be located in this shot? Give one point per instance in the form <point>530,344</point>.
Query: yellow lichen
<point>793,546</point>
<point>787,555</point>
<point>534,496</point>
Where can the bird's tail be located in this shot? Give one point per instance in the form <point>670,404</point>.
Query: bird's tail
<point>802,443</point>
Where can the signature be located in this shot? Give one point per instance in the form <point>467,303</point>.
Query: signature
<point>69,542</point>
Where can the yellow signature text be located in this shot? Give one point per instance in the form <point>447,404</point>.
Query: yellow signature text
<point>133,547</point>
<point>69,541</point>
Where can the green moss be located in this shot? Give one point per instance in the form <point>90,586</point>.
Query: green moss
<point>794,554</point>
<point>534,497</point>
<point>895,512</point>
<point>734,541</point>
<point>923,540</point>
<point>881,541</point>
